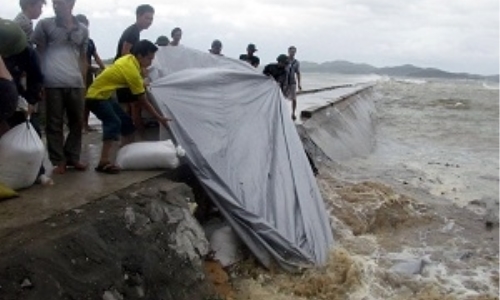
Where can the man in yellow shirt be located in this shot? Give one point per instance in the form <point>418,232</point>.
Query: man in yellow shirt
<point>124,73</point>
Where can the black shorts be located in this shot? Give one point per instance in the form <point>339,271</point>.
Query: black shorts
<point>8,99</point>
<point>124,95</point>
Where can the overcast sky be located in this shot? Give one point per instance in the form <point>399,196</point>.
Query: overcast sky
<point>453,35</point>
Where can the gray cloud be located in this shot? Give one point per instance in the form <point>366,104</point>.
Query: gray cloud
<point>459,35</point>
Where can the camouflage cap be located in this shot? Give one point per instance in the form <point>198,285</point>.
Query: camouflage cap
<point>162,41</point>
<point>12,38</point>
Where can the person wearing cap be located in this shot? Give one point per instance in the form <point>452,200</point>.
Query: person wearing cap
<point>12,41</point>
<point>250,57</point>
<point>30,10</point>
<point>216,48</point>
<point>21,67</point>
<point>278,71</point>
<point>162,41</point>
<point>176,36</point>
<point>62,44</point>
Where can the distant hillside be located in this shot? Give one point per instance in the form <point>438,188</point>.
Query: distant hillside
<point>345,67</point>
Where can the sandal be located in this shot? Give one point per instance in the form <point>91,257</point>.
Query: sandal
<point>77,166</point>
<point>108,168</point>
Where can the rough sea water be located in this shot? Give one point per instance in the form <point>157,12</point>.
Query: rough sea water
<point>416,217</point>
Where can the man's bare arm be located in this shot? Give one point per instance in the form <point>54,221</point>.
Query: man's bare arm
<point>126,48</point>
<point>144,102</point>
<point>98,60</point>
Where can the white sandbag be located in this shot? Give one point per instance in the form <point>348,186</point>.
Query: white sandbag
<point>21,156</point>
<point>149,155</point>
<point>227,247</point>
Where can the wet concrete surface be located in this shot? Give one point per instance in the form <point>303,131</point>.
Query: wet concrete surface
<point>70,190</point>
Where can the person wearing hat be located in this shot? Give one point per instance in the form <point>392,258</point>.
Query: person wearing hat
<point>21,80</point>
<point>162,41</point>
<point>12,41</point>
<point>278,71</point>
<point>216,48</point>
<point>250,57</point>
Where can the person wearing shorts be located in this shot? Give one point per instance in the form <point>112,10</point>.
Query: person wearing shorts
<point>293,79</point>
<point>116,123</point>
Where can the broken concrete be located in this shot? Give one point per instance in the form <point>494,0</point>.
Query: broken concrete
<point>137,243</point>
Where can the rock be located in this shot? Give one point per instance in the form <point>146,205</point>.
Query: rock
<point>26,284</point>
<point>112,295</point>
<point>411,267</point>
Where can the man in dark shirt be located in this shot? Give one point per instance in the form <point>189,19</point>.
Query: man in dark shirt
<point>144,18</point>
<point>278,71</point>
<point>250,57</point>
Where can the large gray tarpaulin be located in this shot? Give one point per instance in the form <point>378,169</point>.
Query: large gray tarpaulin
<point>242,145</point>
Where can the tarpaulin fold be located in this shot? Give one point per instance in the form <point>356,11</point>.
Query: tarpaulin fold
<point>243,147</point>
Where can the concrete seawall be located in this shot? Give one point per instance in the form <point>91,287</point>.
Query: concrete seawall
<point>341,127</point>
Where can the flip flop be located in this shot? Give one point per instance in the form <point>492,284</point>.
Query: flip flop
<point>108,168</point>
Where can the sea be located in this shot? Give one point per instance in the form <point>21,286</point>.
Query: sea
<point>408,214</point>
<point>438,135</point>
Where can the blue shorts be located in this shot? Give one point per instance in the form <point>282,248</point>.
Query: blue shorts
<point>115,122</point>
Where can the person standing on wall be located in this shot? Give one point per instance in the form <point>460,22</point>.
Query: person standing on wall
<point>250,57</point>
<point>216,48</point>
<point>176,36</point>
<point>144,15</point>
<point>62,44</point>
<point>293,79</point>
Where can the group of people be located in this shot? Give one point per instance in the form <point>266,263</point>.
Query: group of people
<point>53,61</point>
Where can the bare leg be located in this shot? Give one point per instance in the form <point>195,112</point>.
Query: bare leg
<point>86,115</point>
<point>294,107</point>
<point>137,118</point>
<point>105,152</point>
